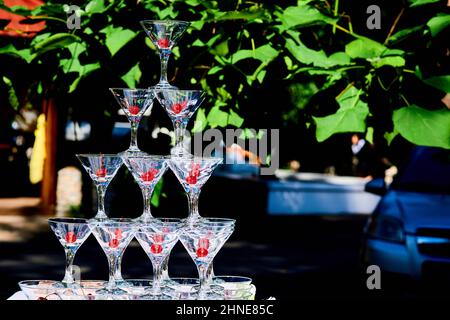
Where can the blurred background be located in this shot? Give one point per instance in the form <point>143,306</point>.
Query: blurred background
<point>361,98</point>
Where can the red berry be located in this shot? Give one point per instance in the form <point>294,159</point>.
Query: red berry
<point>149,175</point>
<point>163,43</point>
<point>158,238</point>
<point>202,252</point>
<point>156,248</point>
<point>191,180</point>
<point>134,110</point>
<point>71,237</point>
<point>114,243</point>
<point>42,298</point>
<point>178,107</point>
<point>101,173</point>
<point>203,243</point>
<point>118,234</point>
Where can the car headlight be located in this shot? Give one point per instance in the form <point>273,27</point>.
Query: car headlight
<point>386,228</point>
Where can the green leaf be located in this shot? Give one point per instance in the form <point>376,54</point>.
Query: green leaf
<point>369,135</point>
<point>235,120</point>
<point>200,122</point>
<point>221,49</point>
<point>74,65</point>
<point>25,54</point>
<point>416,3</point>
<point>350,117</point>
<point>116,38</point>
<point>133,76</point>
<point>389,136</point>
<point>364,48</point>
<point>95,6</point>
<point>438,23</point>
<point>12,96</point>
<point>403,34</point>
<point>317,58</point>
<point>303,15</point>
<point>241,15</point>
<point>423,127</point>
<point>157,192</point>
<point>440,82</point>
<point>56,41</point>
<point>217,117</point>
<point>387,61</point>
<point>263,53</point>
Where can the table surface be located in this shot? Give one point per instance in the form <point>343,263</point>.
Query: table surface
<point>19,295</point>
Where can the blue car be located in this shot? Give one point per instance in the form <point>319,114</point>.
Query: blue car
<point>409,232</point>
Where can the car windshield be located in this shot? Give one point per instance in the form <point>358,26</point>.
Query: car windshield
<point>428,170</point>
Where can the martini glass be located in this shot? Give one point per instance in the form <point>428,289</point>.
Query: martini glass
<point>203,239</point>
<point>101,168</point>
<point>134,103</point>
<point>71,233</point>
<point>157,238</point>
<point>164,34</point>
<point>113,235</point>
<point>146,170</point>
<point>180,105</point>
<point>193,172</point>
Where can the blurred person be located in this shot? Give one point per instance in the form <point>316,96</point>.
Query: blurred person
<point>366,163</point>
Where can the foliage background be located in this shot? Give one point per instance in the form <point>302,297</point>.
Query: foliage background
<point>309,67</point>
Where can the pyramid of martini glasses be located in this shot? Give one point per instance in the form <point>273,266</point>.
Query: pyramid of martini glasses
<point>202,237</point>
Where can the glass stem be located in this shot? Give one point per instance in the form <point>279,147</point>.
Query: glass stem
<point>164,56</point>
<point>112,261</point>
<point>165,269</point>
<point>118,269</point>
<point>68,276</point>
<point>157,278</point>
<point>101,190</point>
<point>205,276</point>
<point>180,127</point>
<point>193,205</point>
<point>134,132</point>
<point>147,195</point>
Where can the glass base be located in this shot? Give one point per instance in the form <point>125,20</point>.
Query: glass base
<point>65,285</point>
<point>111,292</point>
<point>121,283</point>
<point>163,85</point>
<point>156,297</point>
<point>143,218</point>
<point>210,295</point>
<point>132,153</point>
<point>180,152</point>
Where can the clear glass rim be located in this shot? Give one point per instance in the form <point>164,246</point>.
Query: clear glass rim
<point>203,92</point>
<point>67,220</point>
<point>114,221</point>
<point>132,89</point>
<point>149,156</point>
<point>27,283</point>
<point>216,220</point>
<point>165,22</point>
<point>192,157</point>
<point>240,280</point>
<point>87,155</point>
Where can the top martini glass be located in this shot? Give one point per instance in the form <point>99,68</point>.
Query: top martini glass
<point>164,34</point>
<point>180,105</point>
<point>134,103</point>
